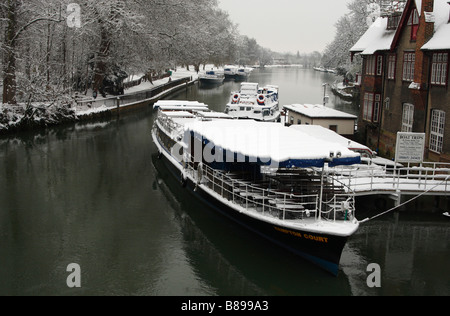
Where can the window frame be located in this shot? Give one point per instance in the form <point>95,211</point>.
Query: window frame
<point>414,21</point>
<point>439,69</point>
<point>372,107</point>
<point>392,66</point>
<point>437,131</point>
<point>374,65</point>
<point>408,117</point>
<point>409,65</point>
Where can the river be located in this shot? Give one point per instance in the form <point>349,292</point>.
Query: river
<point>94,194</point>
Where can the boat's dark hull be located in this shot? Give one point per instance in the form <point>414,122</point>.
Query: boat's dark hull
<point>321,249</point>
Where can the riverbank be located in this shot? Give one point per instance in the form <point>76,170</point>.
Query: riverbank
<point>68,109</point>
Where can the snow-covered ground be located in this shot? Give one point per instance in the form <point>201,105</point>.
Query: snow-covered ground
<point>14,116</point>
<point>101,104</point>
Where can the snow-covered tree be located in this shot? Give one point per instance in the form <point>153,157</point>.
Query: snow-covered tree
<point>349,30</point>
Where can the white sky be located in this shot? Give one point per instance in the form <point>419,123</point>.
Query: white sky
<point>287,25</point>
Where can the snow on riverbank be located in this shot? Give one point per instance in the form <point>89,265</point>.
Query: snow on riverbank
<point>40,114</point>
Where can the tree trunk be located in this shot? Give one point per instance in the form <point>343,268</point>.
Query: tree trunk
<point>101,60</point>
<point>9,63</point>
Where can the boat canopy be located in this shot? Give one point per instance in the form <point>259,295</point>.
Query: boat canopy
<point>180,105</point>
<point>269,144</point>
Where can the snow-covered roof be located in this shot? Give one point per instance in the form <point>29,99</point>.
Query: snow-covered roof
<point>270,143</point>
<point>327,134</point>
<point>318,111</point>
<point>441,37</point>
<point>180,105</point>
<point>377,38</point>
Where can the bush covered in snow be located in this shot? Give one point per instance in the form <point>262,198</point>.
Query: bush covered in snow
<point>27,116</point>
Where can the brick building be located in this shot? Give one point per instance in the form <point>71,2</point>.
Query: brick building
<point>405,77</point>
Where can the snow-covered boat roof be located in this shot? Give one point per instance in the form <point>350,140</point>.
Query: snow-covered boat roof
<point>184,114</point>
<point>441,37</point>
<point>328,135</point>
<point>318,111</point>
<point>210,115</point>
<point>377,38</point>
<point>179,105</point>
<point>270,143</point>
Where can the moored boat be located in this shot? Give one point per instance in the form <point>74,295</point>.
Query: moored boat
<point>243,73</point>
<point>230,71</point>
<point>212,77</point>
<point>253,102</point>
<point>265,177</point>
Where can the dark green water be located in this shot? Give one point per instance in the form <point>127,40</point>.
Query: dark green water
<point>95,194</point>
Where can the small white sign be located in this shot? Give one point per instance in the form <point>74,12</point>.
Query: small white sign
<point>410,147</point>
<point>430,17</point>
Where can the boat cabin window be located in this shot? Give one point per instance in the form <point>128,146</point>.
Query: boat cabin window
<point>242,108</point>
<point>248,109</point>
<point>257,112</point>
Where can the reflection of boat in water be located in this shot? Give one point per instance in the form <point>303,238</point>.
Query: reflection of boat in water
<point>262,179</point>
<point>255,103</point>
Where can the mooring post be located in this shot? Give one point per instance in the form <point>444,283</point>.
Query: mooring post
<point>398,201</point>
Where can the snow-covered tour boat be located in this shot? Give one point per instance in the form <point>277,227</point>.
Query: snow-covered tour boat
<point>212,77</point>
<point>243,73</point>
<point>266,177</point>
<point>230,71</point>
<point>252,102</point>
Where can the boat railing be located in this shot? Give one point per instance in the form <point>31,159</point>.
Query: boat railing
<point>423,177</point>
<point>168,124</point>
<point>257,197</point>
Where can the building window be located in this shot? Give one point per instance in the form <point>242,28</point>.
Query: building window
<point>334,128</point>
<point>414,23</point>
<point>437,131</point>
<point>408,118</point>
<point>376,108</point>
<point>372,107</point>
<point>370,65</point>
<point>392,59</point>
<point>374,65</point>
<point>379,65</point>
<point>292,120</point>
<point>299,122</point>
<point>393,22</point>
<point>409,60</point>
<point>439,69</point>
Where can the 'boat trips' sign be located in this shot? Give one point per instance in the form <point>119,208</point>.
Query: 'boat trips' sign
<point>410,147</point>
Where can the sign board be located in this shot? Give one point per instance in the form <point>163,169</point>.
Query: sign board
<point>410,147</point>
